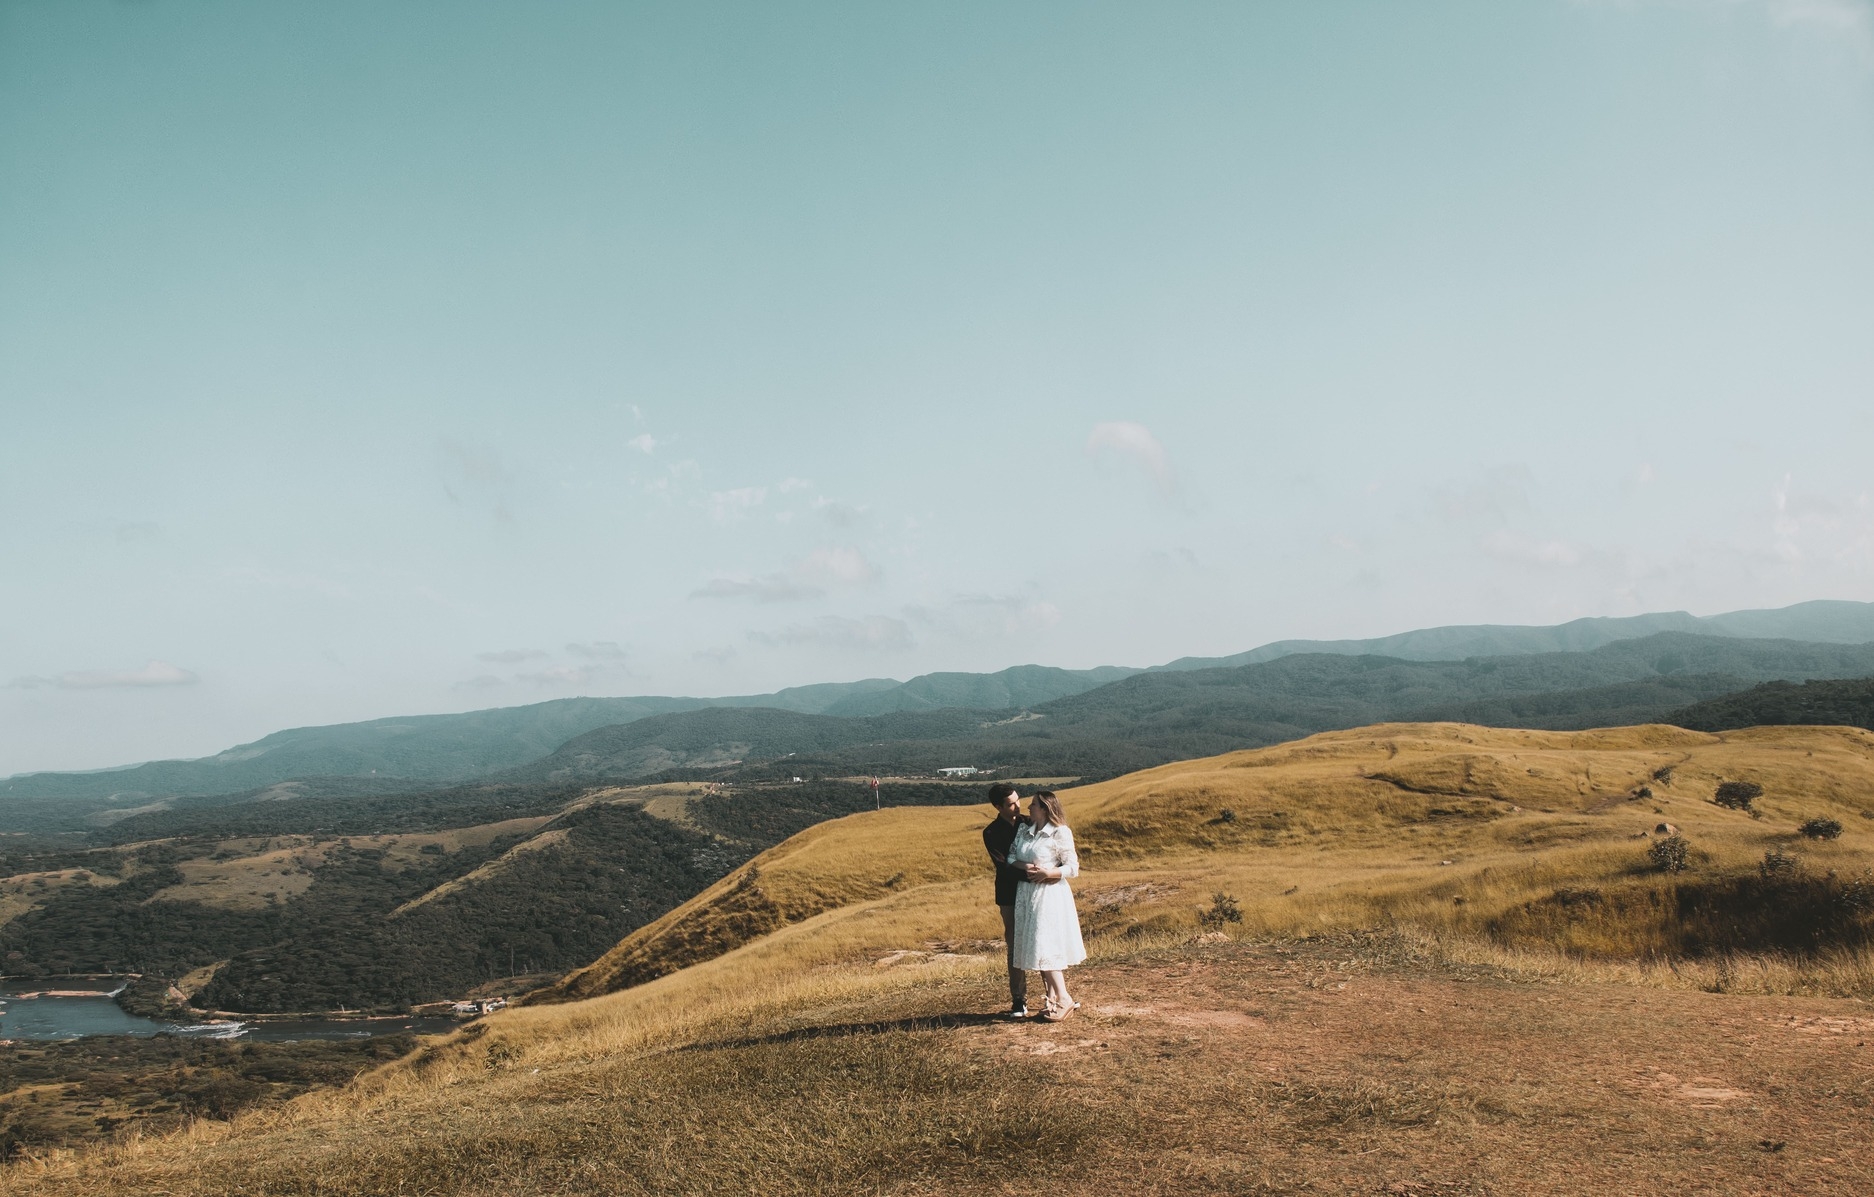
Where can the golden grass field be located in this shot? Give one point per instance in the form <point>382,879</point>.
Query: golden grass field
<point>1455,971</point>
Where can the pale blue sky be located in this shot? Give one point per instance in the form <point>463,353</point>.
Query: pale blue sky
<point>366,359</point>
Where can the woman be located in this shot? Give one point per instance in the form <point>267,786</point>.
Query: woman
<point>1047,927</point>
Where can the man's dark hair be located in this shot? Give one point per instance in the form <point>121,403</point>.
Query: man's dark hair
<point>1000,790</point>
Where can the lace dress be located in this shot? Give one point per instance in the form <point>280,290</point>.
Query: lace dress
<point>1047,927</point>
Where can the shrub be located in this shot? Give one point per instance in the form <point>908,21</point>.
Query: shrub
<point>1669,855</point>
<point>1223,909</point>
<point>1643,793</point>
<point>1737,795</point>
<point>1226,815</point>
<point>1778,865</point>
<point>1821,829</point>
<point>1663,775</point>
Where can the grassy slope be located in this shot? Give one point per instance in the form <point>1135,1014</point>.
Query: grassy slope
<point>1355,824</point>
<point>783,1085</point>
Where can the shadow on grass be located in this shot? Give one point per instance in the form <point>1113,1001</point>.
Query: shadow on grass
<point>912,1025</point>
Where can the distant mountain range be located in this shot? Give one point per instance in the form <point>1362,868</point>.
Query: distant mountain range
<point>1825,621</point>
<point>425,750</point>
<point>1165,715</point>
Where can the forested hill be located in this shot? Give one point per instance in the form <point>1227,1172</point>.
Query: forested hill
<point>384,755</point>
<point>1848,703</point>
<point>427,750</point>
<point>1156,717</point>
<point>1830,621</point>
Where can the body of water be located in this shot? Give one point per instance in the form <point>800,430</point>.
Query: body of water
<point>47,1017</point>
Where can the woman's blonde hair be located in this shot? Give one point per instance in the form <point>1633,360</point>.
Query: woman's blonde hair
<point>1046,800</point>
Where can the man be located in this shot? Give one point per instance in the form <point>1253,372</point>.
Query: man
<point>996,838</point>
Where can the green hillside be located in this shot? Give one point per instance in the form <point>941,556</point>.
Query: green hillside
<point>1846,702</point>
<point>1161,716</point>
<point>381,902</point>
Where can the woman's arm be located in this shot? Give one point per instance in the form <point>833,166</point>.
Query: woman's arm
<point>1070,859</point>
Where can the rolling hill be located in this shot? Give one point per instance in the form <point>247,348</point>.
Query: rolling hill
<point>1159,716</point>
<point>1384,959</point>
<point>417,751</point>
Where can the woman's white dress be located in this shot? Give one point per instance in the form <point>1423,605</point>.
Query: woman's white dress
<point>1047,927</point>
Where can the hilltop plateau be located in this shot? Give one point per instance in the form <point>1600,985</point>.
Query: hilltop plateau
<point>1403,958</point>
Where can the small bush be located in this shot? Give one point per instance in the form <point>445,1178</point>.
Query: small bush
<point>1778,865</point>
<point>1663,775</point>
<point>1223,909</point>
<point>1737,795</point>
<point>1643,793</point>
<point>1226,815</point>
<point>1669,855</point>
<point>1821,829</point>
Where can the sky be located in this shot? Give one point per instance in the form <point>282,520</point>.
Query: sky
<point>364,359</point>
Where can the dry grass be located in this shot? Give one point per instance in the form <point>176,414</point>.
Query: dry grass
<point>799,1027</point>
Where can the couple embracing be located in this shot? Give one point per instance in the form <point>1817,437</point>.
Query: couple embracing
<point>1034,856</point>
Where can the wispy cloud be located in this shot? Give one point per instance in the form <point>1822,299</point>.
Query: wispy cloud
<point>597,650</point>
<point>873,633</point>
<point>810,577</point>
<point>130,532</point>
<point>644,442</point>
<point>1135,441</point>
<point>156,673</point>
<point>726,506</point>
<point>1512,547</point>
<point>837,513</point>
<point>476,477</point>
<point>486,681</point>
<point>511,656</point>
<point>986,616</point>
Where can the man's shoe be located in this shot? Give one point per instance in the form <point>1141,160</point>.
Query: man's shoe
<point>1016,1013</point>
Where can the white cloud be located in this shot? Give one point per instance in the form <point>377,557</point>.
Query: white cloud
<point>486,681</point>
<point>810,577</point>
<point>644,442</point>
<point>873,633</point>
<point>840,515</point>
<point>1137,442</point>
<point>1851,20</point>
<point>727,505</point>
<point>156,673</point>
<point>789,485</point>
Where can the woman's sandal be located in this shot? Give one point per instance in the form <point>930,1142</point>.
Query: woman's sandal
<point>1056,1013</point>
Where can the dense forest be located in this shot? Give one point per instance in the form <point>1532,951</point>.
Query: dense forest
<point>1847,702</point>
<point>543,899</point>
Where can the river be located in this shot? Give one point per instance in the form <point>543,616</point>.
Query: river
<point>47,1017</point>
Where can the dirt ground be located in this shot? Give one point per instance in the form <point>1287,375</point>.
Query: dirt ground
<point>1311,1067</point>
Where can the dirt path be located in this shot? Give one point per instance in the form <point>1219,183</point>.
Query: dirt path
<point>1260,1069</point>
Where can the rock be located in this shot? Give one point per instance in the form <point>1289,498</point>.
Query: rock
<point>1666,829</point>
